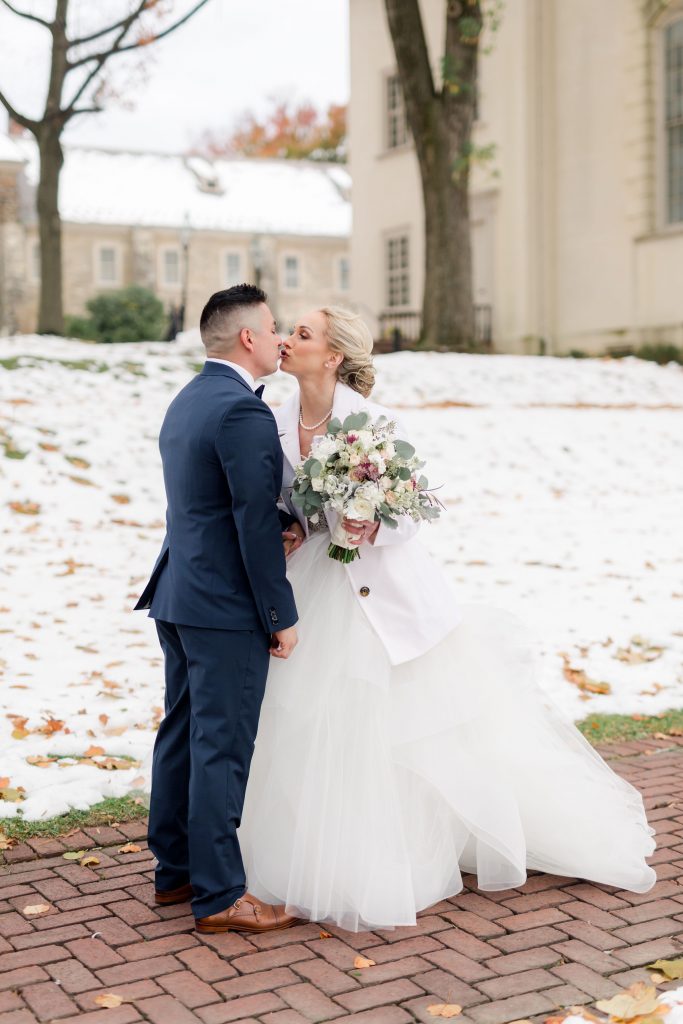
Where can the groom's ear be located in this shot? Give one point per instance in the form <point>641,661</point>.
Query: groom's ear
<point>246,339</point>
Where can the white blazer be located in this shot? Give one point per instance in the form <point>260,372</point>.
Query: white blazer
<point>404,593</point>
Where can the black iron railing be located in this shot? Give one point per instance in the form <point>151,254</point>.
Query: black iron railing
<point>401,329</point>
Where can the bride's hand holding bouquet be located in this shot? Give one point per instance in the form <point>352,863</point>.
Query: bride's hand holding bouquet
<point>366,475</point>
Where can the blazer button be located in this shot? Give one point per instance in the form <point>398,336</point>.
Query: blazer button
<point>364,591</point>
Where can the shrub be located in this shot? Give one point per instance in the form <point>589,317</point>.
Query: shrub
<point>660,353</point>
<point>79,327</point>
<point>131,314</point>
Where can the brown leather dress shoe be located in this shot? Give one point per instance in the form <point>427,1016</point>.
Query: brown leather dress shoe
<point>171,896</point>
<point>247,914</point>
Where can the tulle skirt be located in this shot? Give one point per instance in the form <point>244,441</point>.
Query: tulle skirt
<point>374,787</point>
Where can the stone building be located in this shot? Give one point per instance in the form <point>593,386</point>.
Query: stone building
<point>577,221</point>
<point>180,226</point>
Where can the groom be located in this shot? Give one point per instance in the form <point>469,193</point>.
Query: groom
<point>223,606</point>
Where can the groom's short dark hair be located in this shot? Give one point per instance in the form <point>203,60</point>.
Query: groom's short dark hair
<point>219,310</point>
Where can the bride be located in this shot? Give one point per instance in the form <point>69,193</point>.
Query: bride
<point>406,742</point>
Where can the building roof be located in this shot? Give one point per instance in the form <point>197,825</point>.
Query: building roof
<point>288,197</point>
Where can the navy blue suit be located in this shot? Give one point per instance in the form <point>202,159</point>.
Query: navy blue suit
<point>217,592</point>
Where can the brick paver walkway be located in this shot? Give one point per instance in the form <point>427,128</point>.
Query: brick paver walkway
<point>502,956</point>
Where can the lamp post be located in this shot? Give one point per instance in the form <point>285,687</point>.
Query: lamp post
<point>257,256</point>
<point>185,232</point>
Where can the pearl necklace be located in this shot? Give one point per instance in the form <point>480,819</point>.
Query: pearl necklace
<point>315,425</point>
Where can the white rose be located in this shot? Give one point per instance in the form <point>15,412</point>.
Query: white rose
<point>325,447</point>
<point>370,492</point>
<point>360,508</point>
<point>354,459</point>
<point>317,483</point>
<point>364,437</point>
<point>389,451</point>
<point>386,483</point>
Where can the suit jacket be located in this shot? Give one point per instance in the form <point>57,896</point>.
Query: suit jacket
<point>401,589</point>
<point>222,564</point>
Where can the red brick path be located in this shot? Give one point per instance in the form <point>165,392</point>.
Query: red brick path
<point>502,956</point>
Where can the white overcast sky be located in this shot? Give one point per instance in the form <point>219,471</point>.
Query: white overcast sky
<point>232,56</point>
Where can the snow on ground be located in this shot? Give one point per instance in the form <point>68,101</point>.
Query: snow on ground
<point>563,481</point>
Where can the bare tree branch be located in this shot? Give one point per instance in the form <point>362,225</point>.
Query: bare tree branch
<point>115,48</point>
<point>86,110</point>
<point>25,14</point>
<point>25,122</point>
<point>128,20</point>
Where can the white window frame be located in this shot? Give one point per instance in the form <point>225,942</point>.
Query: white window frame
<point>401,272</point>
<point>663,127</point>
<point>395,117</point>
<point>284,284</point>
<point>341,260</point>
<point>118,275</point>
<point>225,255</point>
<point>163,280</point>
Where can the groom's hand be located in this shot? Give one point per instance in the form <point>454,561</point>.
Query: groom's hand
<point>292,538</point>
<point>283,642</point>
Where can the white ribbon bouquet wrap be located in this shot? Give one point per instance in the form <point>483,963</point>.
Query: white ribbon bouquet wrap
<point>362,471</point>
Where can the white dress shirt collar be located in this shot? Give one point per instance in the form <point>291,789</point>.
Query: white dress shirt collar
<point>244,374</point>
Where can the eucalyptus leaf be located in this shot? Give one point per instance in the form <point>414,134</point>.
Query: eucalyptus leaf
<point>334,426</point>
<point>316,468</point>
<point>391,523</point>
<point>423,483</point>
<point>298,498</point>
<point>355,421</point>
<point>404,473</point>
<point>313,499</point>
<point>404,450</point>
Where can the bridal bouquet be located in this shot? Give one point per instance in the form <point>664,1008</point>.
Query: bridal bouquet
<point>362,471</point>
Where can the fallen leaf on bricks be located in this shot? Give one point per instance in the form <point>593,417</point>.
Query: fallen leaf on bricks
<point>36,908</point>
<point>362,961</point>
<point>109,1000</point>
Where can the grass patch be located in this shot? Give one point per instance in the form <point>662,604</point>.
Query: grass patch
<point>114,809</point>
<point>25,362</point>
<point>596,728</point>
<point>616,728</point>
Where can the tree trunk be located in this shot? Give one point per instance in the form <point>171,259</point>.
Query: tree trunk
<point>441,125</point>
<point>447,305</point>
<point>51,315</point>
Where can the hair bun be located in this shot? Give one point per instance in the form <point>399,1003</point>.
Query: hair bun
<point>349,335</point>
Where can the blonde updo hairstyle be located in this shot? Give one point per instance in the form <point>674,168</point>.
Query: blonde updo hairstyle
<point>351,337</point>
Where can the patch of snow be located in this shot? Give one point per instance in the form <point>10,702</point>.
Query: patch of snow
<point>563,482</point>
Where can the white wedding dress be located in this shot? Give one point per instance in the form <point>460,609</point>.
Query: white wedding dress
<point>374,787</point>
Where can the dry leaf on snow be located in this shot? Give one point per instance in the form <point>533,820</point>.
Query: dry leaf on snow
<point>25,508</point>
<point>578,678</point>
<point>92,750</point>
<point>444,1010</point>
<point>36,908</point>
<point>12,796</point>
<point>108,999</point>
<point>362,961</point>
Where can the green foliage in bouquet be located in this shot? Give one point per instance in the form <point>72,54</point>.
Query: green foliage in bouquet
<point>359,470</point>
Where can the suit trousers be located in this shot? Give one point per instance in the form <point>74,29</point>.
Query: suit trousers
<point>215,682</point>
